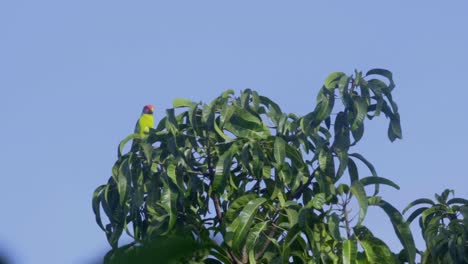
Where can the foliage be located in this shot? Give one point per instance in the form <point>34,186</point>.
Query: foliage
<point>444,227</point>
<point>256,185</point>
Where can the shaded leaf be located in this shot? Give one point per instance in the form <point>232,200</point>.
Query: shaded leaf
<point>402,229</point>
<point>418,201</point>
<point>378,180</point>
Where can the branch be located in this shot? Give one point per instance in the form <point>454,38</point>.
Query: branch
<point>217,204</point>
<point>302,188</point>
<point>346,217</point>
<point>267,242</point>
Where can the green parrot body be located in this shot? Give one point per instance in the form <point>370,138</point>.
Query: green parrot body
<point>144,124</point>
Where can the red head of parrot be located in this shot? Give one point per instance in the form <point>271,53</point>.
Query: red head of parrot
<point>148,109</point>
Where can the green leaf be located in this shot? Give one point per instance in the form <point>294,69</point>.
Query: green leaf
<point>326,101</point>
<point>386,73</point>
<point>238,204</point>
<point>168,202</point>
<point>334,226</point>
<point>122,179</point>
<point>358,133</point>
<point>418,201</point>
<point>244,221</point>
<point>438,209</point>
<point>317,201</point>
<point>171,122</point>
<point>221,132</point>
<point>457,201</point>
<point>96,203</point>
<point>332,80</point>
<point>375,249</point>
<point>123,142</point>
<point>464,212</point>
<point>357,189</point>
<point>223,171</point>
<point>378,180</point>
<point>416,213</point>
<point>343,157</point>
<point>402,229</point>
<point>353,171</point>
<point>171,172</point>
<point>279,150</point>
<point>360,105</point>
<point>254,234</point>
<point>324,158</point>
<point>182,102</point>
<point>395,127</point>
<point>349,251</point>
<point>367,163</point>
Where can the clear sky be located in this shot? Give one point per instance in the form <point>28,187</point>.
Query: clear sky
<point>74,76</point>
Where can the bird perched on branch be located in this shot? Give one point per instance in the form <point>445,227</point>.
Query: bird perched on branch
<point>144,123</point>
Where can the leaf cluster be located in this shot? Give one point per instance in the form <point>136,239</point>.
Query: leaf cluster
<point>253,184</point>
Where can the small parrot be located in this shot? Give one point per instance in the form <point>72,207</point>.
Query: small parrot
<point>144,123</point>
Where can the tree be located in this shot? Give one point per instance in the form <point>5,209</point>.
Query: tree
<point>444,227</point>
<point>246,183</point>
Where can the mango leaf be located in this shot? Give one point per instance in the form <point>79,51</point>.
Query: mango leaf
<point>367,163</point>
<point>378,180</point>
<point>402,229</point>
<point>244,221</point>
<point>96,203</point>
<point>317,201</point>
<point>168,202</point>
<point>252,238</point>
<point>324,158</point>
<point>349,251</point>
<point>357,189</point>
<point>418,201</point>
<point>457,201</point>
<point>182,102</point>
<point>386,73</point>
<point>223,171</point>
<point>360,105</point>
<point>254,234</point>
<point>358,133</point>
<point>394,130</point>
<point>171,122</point>
<point>334,226</point>
<point>343,158</point>
<point>122,179</point>
<point>416,213</point>
<point>221,132</point>
<point>279,150</point>
<point>353,171</point>
<point>375,249</point>
<point>238,204</point>
<point>332,80</point>
<point>123,142</point>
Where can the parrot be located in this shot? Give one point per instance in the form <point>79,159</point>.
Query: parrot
<point>144,123</point>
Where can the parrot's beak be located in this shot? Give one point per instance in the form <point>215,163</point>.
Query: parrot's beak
<point>152,109</point>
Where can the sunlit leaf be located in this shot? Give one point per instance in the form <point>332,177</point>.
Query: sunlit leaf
<point>349,251</point>
<point>244,221</point>
<point>181,102</point>
<point>332,80</point>
<point>357,189</point>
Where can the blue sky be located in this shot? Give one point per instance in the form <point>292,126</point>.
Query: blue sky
<point>74,76</point>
